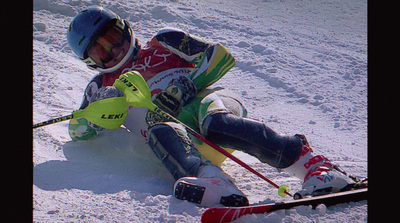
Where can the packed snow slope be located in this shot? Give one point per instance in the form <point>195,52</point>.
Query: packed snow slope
<point>301,68</point>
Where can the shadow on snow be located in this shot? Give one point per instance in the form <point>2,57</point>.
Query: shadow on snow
<point>111,163</point>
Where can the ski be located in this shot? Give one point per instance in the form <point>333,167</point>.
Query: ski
<point>228,214</point>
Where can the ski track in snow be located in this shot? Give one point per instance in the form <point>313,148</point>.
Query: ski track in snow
<point>301,68</point>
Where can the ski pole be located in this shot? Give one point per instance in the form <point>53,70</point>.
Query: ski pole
<point>108,113</point>
<point>52,121</point>
<point>137,94</point>
<point>224,152</point>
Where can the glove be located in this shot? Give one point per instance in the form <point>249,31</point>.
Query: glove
<point>177,95</point>
<point>79,129</point>
<point>104,93</point>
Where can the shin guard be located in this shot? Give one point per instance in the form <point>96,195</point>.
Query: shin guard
<point>171,144</point>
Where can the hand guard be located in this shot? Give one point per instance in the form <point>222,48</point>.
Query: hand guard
<point>81,128</point>
<point>176,95</point>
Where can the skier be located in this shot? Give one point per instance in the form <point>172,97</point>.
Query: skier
<point>179,69</point>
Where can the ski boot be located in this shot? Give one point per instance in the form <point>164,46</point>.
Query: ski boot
<point>209,189</point>
<point>319,174</point>
<point>199,182</point>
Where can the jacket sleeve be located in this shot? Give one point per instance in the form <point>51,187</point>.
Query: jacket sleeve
<point>212,60</point>
<point>80,129</point>
<point>182,44</point>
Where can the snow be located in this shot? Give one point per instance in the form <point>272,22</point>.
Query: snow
<point>301,68</point>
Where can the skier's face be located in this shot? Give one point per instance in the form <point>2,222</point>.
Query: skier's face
<point>110,48</point>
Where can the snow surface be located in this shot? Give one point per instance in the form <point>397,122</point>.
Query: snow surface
<point>301,68</point>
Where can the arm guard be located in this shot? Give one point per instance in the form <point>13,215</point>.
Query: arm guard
<point>214,64</point>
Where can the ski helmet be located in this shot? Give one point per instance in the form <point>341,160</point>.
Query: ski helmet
<point>86,27</point>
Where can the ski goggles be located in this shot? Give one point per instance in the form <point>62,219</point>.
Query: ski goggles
<point>100,51</point>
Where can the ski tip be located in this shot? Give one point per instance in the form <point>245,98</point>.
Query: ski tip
<point>220,215</point>
<point>224,214</point>
<point>209,216</point>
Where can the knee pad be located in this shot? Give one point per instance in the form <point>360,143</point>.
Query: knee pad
<point>171,144</point>
<point>222,101</point>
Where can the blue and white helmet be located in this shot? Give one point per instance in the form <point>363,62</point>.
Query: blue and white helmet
<point>86,27</point>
